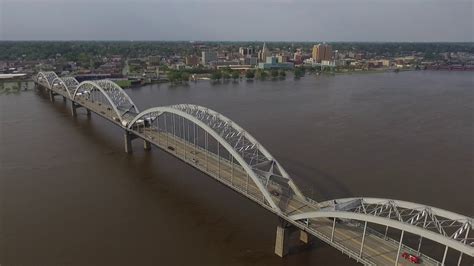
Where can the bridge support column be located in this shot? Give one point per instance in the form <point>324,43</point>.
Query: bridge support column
<point>73,108</point>
<point>51,95</point>
<point>305,237</point>
<point>128,137</point>
<point>281,242</point>
<point>146,145</point>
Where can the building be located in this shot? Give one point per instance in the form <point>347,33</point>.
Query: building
<point>208,57</point>
<point>226,63</point>
<point>248,60</point>
<point>154,60</point>
<point>264,53</point>
<point>378,63</point>
<point>236,67</point>
<point>253,61</point>
<point>272,63</point>
<point>282,58</point>
<point>192,60</point>
<point>244,51</point>
<point>298,57</point>
<point>330,63</point>
<point>322,52</point>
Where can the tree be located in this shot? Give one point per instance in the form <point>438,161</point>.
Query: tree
<point>261,74</point>
<point>185,76</point>
<point>282,74</point>
<point>235,75</point>
<point>174,76</point>
<point>250,74</point>
<point>274,73</point>
<point>299,73</point>
<point>225,75</point>
<point>83,59</point>
<point>216,75</point>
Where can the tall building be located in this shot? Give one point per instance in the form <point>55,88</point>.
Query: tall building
<point>192,60</point>
<point>246,51</point>
<point>208,56</point>
<point>322,52</point>
<point>264,53</point>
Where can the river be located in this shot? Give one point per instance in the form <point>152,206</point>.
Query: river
<point>69,195</point>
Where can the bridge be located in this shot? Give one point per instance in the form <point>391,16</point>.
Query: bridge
<point>362,228</point>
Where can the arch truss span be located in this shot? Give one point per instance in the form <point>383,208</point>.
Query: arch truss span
<point>107,92</point>
<point>46,78</point>
<point>447,228</point>
<point>69,84</point>
<point>257,162</point>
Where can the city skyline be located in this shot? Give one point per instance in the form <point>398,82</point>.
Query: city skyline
<point>186,20</point>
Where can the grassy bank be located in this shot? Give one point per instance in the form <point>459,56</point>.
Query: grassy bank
<point>124,83</point>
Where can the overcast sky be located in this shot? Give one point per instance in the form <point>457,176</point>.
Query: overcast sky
<point>270,20</point>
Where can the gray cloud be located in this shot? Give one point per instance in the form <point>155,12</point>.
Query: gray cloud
<point>272,20</point>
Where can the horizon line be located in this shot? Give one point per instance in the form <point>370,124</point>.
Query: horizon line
<point>216,41</point>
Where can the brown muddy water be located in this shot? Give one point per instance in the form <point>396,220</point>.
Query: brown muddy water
<point>69,195</point>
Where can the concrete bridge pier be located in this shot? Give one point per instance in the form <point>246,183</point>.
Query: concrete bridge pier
<point>283,235</point>
<point>146,145</point>
<point>305,237</point>
<point>128,137</point>
<point>51,95</point>
<point>283,232</point>
<point>73,108</point>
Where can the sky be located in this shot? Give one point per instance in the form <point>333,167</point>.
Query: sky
<point>238,20</point>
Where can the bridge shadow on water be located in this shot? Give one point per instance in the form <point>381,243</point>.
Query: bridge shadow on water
<point>315,183</point>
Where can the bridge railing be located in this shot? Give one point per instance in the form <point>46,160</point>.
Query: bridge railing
<point>327,239</point>
<point>395,242</point>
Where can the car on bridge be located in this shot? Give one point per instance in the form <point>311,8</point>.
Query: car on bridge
<point>412,258</point>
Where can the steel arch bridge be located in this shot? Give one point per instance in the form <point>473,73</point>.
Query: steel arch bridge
<point>219,147</point>
<point>104,95</point>
<point>441,226</point>
<point>257,162</point>
<point>68,84</point>
<point>106,92</point>
<point>46,78</point>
